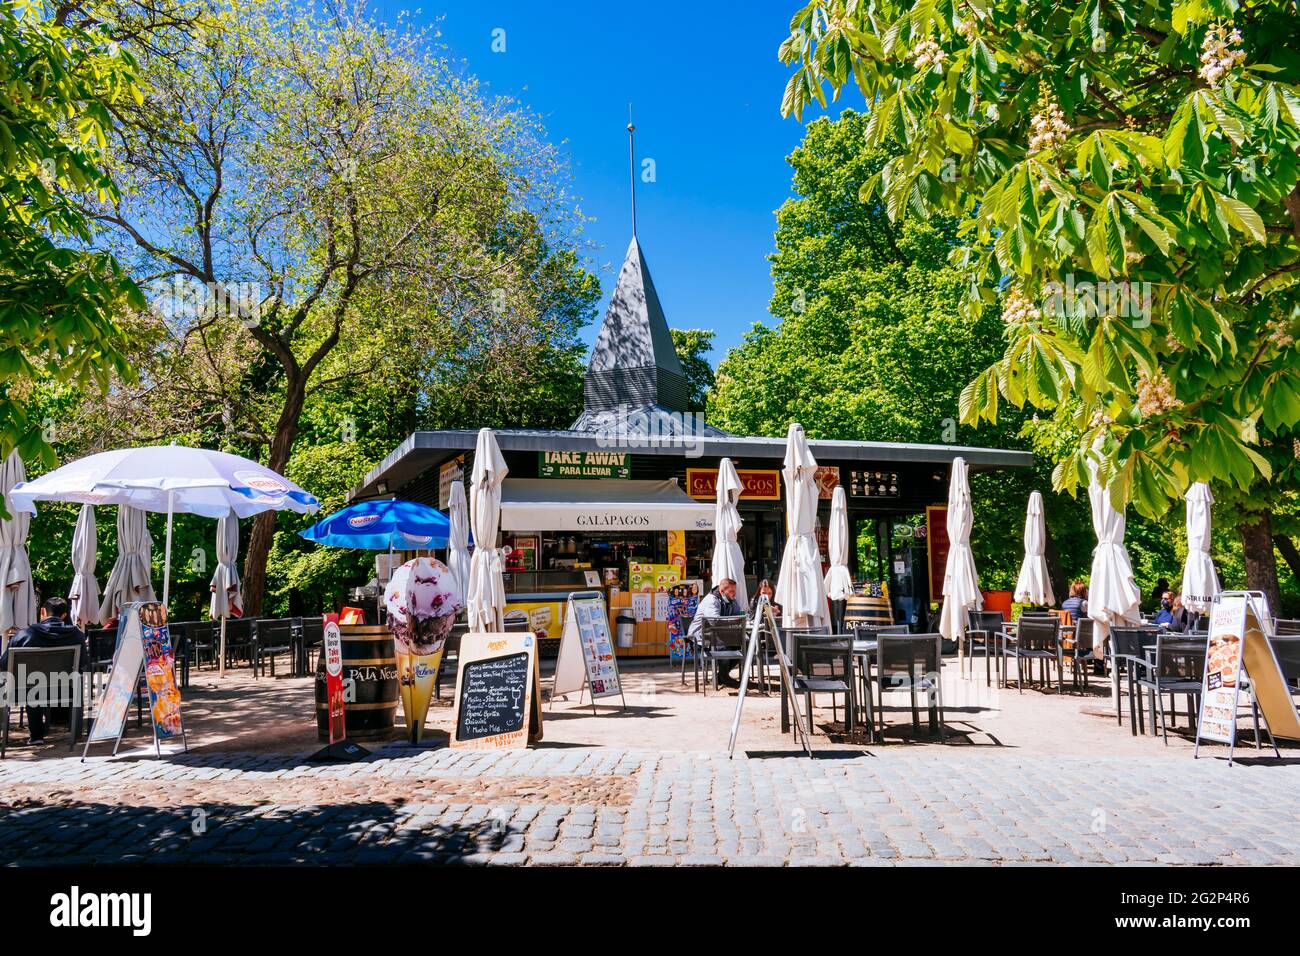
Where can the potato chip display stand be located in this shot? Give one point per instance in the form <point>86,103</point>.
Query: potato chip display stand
<point>632,483</point>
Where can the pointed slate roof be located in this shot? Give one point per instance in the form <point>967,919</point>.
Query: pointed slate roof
<point>633,361</point>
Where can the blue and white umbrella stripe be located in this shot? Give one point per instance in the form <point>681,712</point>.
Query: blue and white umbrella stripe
<point>381,525</point>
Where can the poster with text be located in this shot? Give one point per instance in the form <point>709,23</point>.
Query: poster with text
<point>1218,719</point>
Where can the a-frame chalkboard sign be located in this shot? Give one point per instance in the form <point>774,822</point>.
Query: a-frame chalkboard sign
<point>498,692</point>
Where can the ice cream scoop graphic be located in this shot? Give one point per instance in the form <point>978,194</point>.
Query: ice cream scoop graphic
<point>423,600</point>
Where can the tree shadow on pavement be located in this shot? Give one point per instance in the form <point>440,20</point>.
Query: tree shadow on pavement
<point>224,834</point>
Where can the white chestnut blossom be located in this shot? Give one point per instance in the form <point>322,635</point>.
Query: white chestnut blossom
<point>1019,309</point>
<point>927,54</point>
<point>1155,394</point>
<point>1220,52</point>
<point>1047,127</point>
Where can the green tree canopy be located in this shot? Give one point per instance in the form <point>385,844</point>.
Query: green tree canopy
<point>692,348</point>
<point>63,73</point>
<point>1128,188</point>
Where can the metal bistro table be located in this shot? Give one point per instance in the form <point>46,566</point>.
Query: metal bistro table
<point>1177,647</point>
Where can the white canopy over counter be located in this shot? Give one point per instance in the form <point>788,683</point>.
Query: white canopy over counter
<point>593,504</point>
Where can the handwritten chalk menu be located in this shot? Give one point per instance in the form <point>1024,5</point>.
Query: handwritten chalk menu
<point>586,657</point>
<point>497,692</point>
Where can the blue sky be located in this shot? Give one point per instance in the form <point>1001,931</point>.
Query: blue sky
<point>705,88</point>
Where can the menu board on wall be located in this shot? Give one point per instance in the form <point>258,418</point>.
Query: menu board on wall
<point>586,655</point>
<point>936,543</point>
<point>642,605</point>
<point>652,577</point>
<point>873,484</point>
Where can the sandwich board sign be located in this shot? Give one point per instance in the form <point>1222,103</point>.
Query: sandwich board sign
<point>1237,651</point>
<point>586,659</point>
<point>497,692</point>
<point>143,646</point>
<point>763,616</point>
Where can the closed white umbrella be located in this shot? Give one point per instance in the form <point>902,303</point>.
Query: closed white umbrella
<point>227,601</point>
<point>961,584</point>
<point>800,591</point>
<point>169,478</point>
<point>17,596</point>
<point>84,594</point>
<point>1034,586</point>
<point>486,600</point>
<point>458,560</point>
<point>132,576</point>
<point>1113,595</point>
<point>1200,580</point>
<point>728,561</point>
<point>839,582</point>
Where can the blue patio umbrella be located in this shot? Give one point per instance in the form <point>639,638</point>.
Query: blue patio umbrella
<point>381,526</point>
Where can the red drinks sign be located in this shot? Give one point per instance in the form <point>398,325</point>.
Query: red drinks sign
<point>334,677</point>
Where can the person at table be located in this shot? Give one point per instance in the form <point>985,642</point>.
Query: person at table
<point>1165,612</point>
<point>1173,616</point>
<point>765,587</point>
<point>1077,603</point>
<point>53,630</point>
<point>720,602</point>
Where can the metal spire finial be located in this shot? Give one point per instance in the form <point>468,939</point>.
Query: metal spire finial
<point>631,165</point>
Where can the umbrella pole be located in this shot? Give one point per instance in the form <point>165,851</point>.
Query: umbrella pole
<point>222,672</point>
<point>167,560</point>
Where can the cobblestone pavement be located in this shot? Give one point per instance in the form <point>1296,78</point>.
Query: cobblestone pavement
<point>613,807</point>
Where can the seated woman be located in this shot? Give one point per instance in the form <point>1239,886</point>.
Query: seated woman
<point>765,587</point>
<point>1077,602</point>
<point>1165,615</point>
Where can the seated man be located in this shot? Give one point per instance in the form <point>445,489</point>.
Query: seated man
<point>53,630</point>
<point>720,602</point>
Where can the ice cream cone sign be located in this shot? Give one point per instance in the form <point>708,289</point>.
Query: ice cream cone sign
<point>422,599</point>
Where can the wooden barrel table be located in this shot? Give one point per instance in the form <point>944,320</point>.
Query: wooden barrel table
<point>370,664</point>
<point>864,611</point>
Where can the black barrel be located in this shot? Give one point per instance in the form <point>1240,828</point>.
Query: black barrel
<point>863,610</point>
<point>370,663</point>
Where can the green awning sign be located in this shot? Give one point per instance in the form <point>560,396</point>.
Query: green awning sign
<point>583,464</point>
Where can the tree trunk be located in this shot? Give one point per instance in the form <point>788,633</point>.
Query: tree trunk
<point>1289,552</point>
<point>1261,563</point>
<point>253,584</point>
